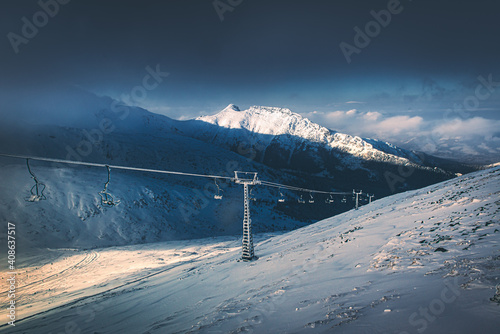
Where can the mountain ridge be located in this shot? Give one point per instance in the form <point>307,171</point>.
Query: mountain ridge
<point>275,121</point>
<point>143,139</point>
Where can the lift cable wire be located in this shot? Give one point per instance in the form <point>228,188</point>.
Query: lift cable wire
<point>92,164</point>
<point>247,240</point>
<point>283,186</point>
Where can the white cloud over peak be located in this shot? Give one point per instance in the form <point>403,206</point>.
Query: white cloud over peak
<point>471,127</point>
<point>368,124</point>
<point>447,137</point>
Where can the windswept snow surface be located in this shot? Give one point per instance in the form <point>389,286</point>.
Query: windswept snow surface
<point>424,261</point>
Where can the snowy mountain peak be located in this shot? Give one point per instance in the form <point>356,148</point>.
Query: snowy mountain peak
<point>272,125</point>
<point>231,107</point>
<point>263,110</point>
<point>268,121</point>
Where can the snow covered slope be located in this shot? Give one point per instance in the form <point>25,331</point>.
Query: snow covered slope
<point>423,261</point>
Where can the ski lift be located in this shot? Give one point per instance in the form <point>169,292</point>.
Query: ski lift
<point>370,197</point>
<point>311,200</point>
<point>251,196</point>
<point>329,200</point>
<point>37,190</point>
<point>301,200</point>
<point>344,200</point>
<point>106,198</point>
<point>219,190</point>
<point>282,198</point>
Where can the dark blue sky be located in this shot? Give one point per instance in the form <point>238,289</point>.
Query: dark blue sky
<point>264,52</point>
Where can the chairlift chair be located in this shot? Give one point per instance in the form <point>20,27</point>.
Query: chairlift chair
<point>344,200</point>
<point>37,189</point>
<point>329,200</point>
<point>301,200</point>
<point>311,200</point>
<point>218,195</point>
<point>251,196</point>
<point>282,198</point>
<point>106,198</point>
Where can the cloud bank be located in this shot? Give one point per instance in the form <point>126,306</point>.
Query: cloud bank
<point>474,139</point>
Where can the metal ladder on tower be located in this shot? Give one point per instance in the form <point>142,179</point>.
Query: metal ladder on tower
<point>247,240</point>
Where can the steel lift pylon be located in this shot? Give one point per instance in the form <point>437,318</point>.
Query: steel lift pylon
<point>247,179</point>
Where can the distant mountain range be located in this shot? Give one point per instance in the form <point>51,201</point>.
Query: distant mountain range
<point>280,145</point>
<point>288,141</point>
